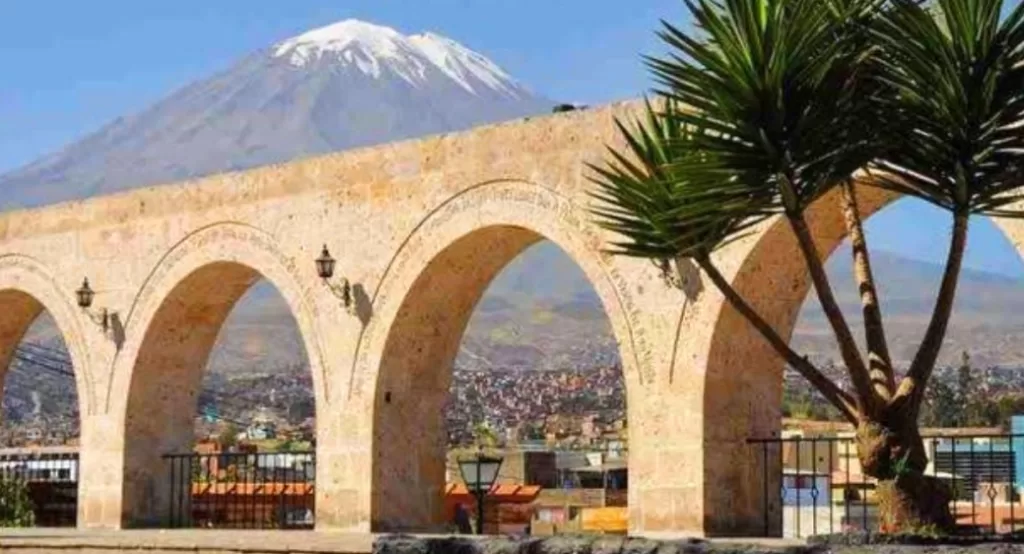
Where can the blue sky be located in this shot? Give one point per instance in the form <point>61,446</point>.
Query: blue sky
<point>71,66</point>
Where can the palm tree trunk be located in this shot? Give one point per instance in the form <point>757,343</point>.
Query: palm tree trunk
<point>839,398</point>
<point>911,389</point>
<point>908,500</point>
<point>847,345</point>
<point>879,361</point>
<point>890,446</point>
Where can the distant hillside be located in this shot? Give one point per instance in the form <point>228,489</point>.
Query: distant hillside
<point>542,313</point>
<point>546,316</point>
<point>539,313</point>
<point>988,318</point>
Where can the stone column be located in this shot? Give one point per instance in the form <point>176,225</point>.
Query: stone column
<point>691,469</point>
<point>100,475</point>
<point>343,469</point>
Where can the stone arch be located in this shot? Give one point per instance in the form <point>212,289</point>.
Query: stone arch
<point>27,288</point>
<point>421,308</point>
<point>171,329</point>
<point>743,371</point>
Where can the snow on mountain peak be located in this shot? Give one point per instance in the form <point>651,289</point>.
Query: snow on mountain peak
<point>371,47</point>
<point>375,41</point>
<point>460,62</point>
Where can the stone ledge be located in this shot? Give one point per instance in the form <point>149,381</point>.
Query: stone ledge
<point>195,541</point>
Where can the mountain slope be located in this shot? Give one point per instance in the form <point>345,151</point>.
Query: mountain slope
<point>542,313</point>
<point>346,85</point>
<point>987,321</point>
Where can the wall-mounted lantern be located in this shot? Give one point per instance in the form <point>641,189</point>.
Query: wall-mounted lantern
<point>85,295</point>
<point>325,269</point>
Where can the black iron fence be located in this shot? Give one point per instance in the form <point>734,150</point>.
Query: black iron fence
<point>241,490</point>
<point>39,489</point>
<point>814,486</point>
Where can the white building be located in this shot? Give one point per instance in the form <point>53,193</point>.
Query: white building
<point>40,464</point>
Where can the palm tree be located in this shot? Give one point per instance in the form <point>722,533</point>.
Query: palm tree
<point>484,436</point>
<point>770,105</point>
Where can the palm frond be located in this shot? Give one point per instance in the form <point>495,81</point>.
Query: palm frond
<point>957,88</point>
<point>644,194</point>
<point>765,108</point>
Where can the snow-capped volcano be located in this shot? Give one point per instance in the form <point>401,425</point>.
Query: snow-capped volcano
<point>345,85</point>
<point>375,49</point>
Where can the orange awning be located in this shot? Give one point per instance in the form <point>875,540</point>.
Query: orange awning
<point>501,493</point>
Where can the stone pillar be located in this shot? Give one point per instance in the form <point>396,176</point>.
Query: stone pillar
<point>409,495</point>
<point>343,469</point>
<point>164,425</point>
<point>666,465</point>
<point>691,469</point>
<point>100,475</point>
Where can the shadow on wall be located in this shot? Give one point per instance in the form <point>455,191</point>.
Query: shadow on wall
<point>685,277</point>
<point>117,333</point>
<point>363,306</point>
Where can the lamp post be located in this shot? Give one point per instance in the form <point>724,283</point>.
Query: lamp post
<point>479,473</point>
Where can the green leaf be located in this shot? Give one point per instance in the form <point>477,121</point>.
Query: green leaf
<point>766,105</point>
<point>955,82</point>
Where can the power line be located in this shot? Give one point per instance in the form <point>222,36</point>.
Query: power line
<point>55,352</point>
<point>57,362</point>
<point>45,362</point>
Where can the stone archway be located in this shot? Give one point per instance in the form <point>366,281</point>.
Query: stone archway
<point>27,289</point>
<point>743,371</point>
<point>171,330</point>
<point>420,312</point>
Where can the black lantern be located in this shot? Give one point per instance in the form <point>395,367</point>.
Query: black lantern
<point>325,269</point>
<point>325,264</point>
<point>85,294</point>
<point>479,473</point>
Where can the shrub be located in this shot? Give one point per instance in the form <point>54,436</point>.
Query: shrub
<point>16,508</point>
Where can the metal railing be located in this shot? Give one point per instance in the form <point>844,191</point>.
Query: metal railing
<point>815,486</point>
<point>241,490</point>
<point>40,488</point>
